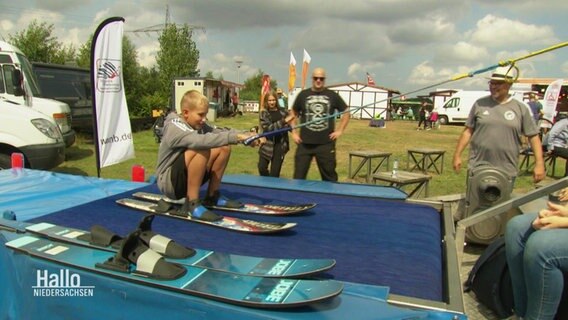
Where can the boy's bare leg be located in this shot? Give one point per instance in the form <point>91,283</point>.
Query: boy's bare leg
<point>217,163</point>
<point>196,163</point>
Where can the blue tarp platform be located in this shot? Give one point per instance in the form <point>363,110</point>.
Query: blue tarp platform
<point>386,249</point>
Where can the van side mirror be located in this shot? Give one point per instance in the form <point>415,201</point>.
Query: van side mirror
<point>18,82</point>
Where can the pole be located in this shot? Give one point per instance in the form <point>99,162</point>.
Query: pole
<point>238,62</point>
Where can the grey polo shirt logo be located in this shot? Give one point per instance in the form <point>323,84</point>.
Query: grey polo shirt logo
<point>509,115</point>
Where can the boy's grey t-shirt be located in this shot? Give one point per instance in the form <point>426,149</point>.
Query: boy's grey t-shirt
<point>497,131</point>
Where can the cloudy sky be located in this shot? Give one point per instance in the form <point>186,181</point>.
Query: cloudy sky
<point>404,44</point>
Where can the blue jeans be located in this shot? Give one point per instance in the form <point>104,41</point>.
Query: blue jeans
<point>536,260</point>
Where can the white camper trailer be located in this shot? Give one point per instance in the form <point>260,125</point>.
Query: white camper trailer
<point>215,90</point>
<point>208,87</point>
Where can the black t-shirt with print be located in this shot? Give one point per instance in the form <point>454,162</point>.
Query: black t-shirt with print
<point>311,106</point>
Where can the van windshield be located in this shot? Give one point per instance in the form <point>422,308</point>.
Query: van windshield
<point>30,77</point>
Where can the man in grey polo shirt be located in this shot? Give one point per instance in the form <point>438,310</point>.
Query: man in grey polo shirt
<point>495,126</point>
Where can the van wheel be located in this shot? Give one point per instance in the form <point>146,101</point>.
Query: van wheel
<point>443,120</point>
<point>5,161</point>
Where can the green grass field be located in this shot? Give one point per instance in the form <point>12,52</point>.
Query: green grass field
<point>397,138</point>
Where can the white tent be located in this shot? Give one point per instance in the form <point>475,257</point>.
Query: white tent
<point>364,101</point>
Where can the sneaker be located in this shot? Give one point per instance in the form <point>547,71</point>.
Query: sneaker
<point>194,209</point>
<point>217,200</point>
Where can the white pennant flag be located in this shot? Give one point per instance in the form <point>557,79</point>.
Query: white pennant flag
<point>305,66</point>
<point>113,132</point>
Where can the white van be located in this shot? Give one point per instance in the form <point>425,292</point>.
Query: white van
<point>59,111</point>
<point>457,108</point>
<point>29,132</point>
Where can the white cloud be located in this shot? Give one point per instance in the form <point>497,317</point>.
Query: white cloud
<point>461,52</point>
<point>564,67</point>
<point>425,74</point>
<point>41,16</point>
<point>147,55</point>
<point>100,16</point>
<point>355,70</point>
<point>6,26</point>
<point>421,31</point>
<point>221,58</point>
<point>494,31</point>
<point>526,6</point>
<point>62,5</point>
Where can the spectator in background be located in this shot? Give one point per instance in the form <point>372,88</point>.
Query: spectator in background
<point>408,114</point>
<point>399,114</point>
<point>282,101</point>
<point>556,141</point>
<point>273,151</point>
<point>536,107</point>
<point>434,120</point>
<point>228,101</point>
<point>315,108</point>
<point>422,116</point>
<point>495,125</point>
<point>235,101</point>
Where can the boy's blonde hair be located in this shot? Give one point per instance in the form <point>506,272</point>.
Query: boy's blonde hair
<point>193,98</point>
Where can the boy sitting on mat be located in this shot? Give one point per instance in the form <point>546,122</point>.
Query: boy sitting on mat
<point>192,153</point>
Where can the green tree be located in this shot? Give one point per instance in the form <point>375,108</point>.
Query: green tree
<point>253,86</point>
<point>84,54</point>
<point>38,44</point>
<point>178,56</point>
<point>65,55</point>
<point>131,77</point>
<point>151,99</point>
<point>209,75</point>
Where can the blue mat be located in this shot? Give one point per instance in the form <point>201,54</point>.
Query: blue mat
<point>377,242</point>
<point>33,193</point>
<point>351,189</point>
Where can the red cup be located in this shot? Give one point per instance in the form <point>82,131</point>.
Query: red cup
<point>138,173</point>
<point>17,160</point>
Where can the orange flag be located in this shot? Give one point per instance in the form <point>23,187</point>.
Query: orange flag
<point>264,90</point>
<point>292,73</point>
<point>305,66</point>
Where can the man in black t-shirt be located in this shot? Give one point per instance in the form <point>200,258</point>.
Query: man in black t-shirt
<point>317,138</point>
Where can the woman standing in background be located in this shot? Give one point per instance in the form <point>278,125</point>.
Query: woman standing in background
<point>273,151</point>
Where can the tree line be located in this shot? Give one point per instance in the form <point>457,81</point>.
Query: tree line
<point>145,88</point>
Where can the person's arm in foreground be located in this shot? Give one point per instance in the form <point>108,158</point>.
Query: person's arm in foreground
<point>462,143</point>
<point>539,171</point>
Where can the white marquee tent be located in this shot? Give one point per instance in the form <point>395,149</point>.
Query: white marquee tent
<point>364,101</point>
